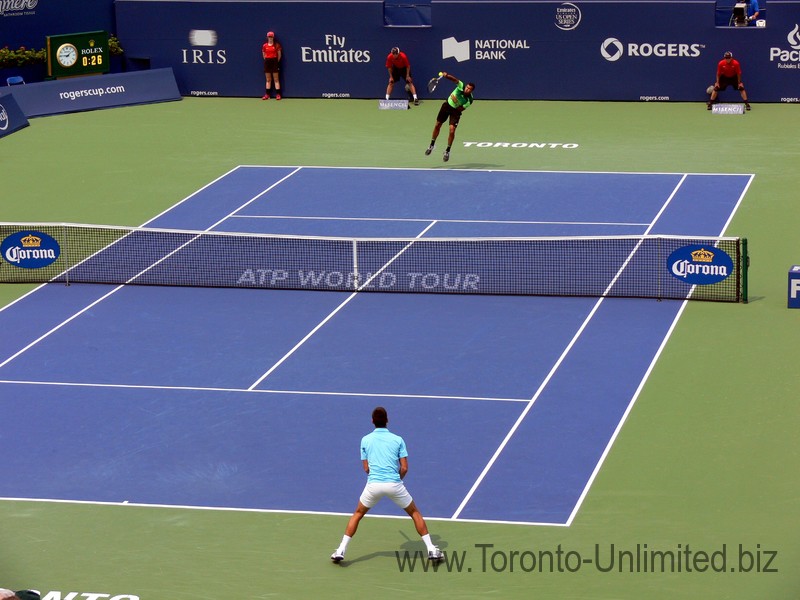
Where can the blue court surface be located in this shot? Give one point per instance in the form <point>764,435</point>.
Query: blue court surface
<point>257,399</point>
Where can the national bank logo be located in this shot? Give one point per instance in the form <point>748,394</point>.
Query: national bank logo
<point>788,58</point>
<point>697,265</point>
<point>203,49</point>
<point>612,50</point>
<point>491,49</point>
<point>30,249</point>
<point>452,48</point>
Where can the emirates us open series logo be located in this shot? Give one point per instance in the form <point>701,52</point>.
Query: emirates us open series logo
<point>30,249</point>
<point>698,265</point>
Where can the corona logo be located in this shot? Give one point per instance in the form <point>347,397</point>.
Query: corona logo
<point>29,249</point>
<point>703,255</point>
<point>695,265</point>
<point>31,241</point>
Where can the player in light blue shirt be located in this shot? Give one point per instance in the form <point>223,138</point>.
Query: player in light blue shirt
<point>383,450</point>
<point>385,460</point>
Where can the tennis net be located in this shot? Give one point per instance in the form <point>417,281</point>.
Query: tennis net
<point>662,267</point>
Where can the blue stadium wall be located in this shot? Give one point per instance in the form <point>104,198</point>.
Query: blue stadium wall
<point>624,50</point>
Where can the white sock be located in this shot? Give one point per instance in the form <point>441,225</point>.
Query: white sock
<point>343,545</point>
<point>387,96</point>
<point>415,96</point>
<point>427,539</point>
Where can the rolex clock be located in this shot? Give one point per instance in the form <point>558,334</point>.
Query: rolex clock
<point>67,55</point>
<point>74,54</point>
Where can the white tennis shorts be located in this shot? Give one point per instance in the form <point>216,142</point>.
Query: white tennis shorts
<point>375,491</point>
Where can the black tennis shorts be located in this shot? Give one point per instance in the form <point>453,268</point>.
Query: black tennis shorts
<point>448,112</point>
<point>724,82</point>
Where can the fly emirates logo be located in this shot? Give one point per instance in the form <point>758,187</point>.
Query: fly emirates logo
<point>335,51</point>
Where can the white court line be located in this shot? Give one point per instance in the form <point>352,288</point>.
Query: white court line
<point>475,170</point>
<point>125,503</point>
<point>410,220</point>
<point>646,376</point>
<point>191,388</point>
<point>119,287</point>
<point>557,364</point>
<point>335,310</point>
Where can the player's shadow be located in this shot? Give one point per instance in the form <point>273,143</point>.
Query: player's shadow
<point>409,548</point>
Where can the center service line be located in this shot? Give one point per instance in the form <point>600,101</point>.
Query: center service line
<point>335,310</point>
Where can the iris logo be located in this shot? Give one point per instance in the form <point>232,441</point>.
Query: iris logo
<point>30,249</point>
<point>3,118</point>
<point>203,51</point>
<point>698,265</point>
<point>612,49</point>
<point>452,48</point>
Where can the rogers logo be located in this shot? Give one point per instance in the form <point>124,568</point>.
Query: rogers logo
<point>612,50</point>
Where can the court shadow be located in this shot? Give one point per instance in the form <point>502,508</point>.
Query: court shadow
<point>408,548</point>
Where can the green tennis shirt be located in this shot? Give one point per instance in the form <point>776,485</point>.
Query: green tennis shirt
<point>458,97</point>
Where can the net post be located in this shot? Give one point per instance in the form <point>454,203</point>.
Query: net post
<point>355,265</point>
<point>66,253</point>
<point>745,258</point>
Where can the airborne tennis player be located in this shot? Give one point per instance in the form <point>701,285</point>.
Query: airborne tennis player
<point>457,102</point>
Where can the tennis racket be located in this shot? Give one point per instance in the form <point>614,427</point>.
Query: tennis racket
<point>434,82</point>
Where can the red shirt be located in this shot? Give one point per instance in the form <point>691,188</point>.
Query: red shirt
<point>399,62</point>
<point>734,69</point>
<point>271,50</point>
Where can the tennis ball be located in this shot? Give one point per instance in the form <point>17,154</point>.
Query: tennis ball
<point>710,90</point>
<point>408,87</point>
<point>440,73</point>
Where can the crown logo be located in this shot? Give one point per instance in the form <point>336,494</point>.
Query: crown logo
<point>703,255</point>
<point>91,43</point>
<point>31,241</point>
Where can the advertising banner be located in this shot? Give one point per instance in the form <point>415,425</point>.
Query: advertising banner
<point>628,51</point>
<point>93,92</point>
<point>11,117</point>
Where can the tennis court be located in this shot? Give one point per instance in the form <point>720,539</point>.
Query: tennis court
<point>484,383</point>
<point>141,463</point>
